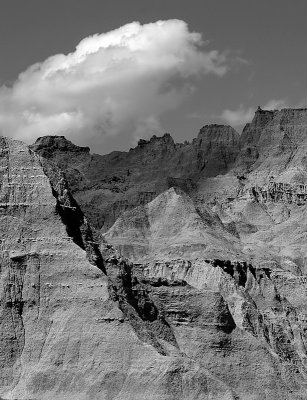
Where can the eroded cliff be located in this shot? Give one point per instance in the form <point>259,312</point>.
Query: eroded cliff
<point>74,322</point>
<point>105,186</point>
<point>212,302</point>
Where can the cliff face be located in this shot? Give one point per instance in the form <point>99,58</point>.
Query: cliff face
<point>252,131</point>
<point>44,276</point>
<point>219,146</point>
<point>107,185</point>
<point>212,302</point>
<point>75,321</point>
<point>217,281</point>
<point>171,226</point>
<point>274,144</point>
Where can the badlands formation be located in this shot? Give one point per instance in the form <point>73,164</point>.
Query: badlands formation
<point>169,272</point>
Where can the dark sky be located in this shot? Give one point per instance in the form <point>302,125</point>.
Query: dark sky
<point>264,43</point>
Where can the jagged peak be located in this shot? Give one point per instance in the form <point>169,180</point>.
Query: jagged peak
<point>262,116</point>
<point>282,110</point>
<point>166,138</point>
<point>217,133</point>
<point>251,131</point>
<point>224,129</point>
<point>215,126</point>
<point>52,143</point>
<point>262,111</point>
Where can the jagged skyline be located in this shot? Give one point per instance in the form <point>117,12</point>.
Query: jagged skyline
<point>172,271</point>
<point>221,80</point>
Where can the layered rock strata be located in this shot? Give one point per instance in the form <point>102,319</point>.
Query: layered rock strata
<point>216,231</point>
<point>105,186</point>
<point>74,323</point>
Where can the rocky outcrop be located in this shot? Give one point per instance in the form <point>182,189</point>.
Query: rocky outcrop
<point>106,186</point>
<point>280,192</point>
<point>219,146</point>
<point>169,226</point>
<point>252,131</point>
<point>42,271</point>
<point>212,301</point>
<point>278,141</point>
<point>255,298</point>
<point>75,321</point>
<point>48,145</point>
<point>232,317</point>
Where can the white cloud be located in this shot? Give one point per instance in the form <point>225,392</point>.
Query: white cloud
<point>238,117</point>
<point>275,104</point>
<point>243,115</point>
<point>113,83</point>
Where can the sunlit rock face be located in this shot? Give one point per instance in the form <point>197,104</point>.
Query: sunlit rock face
<point>276,143</point>
<point>225,305</point>
<point>105,186</point>
<point>171,226</point>
<point>76,321</point>
<point>45,278</point>
<point>193,282</point>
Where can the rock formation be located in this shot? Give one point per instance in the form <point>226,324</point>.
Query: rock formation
<point>172,271</point>
<point>76,323</point>
<point>107,185</point>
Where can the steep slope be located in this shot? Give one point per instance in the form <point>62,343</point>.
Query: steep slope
<point>278,141</point>
<point>75,325</point>
<point>105,186</point>
<point>170,227</point>
<point>217,231</point>
<point>39,291</point>
<point>176,245</point>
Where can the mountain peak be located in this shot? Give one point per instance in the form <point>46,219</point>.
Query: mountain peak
<point>166,138</point>
<point>52,143</point>
<point>216,135</point>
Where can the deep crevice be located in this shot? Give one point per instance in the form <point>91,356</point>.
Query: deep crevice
<point>134,301</point>
<point>72,216</point>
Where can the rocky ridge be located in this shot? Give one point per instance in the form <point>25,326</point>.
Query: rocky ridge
<point>212,302</point>
<point>76,323</point>
<point>107,185</point>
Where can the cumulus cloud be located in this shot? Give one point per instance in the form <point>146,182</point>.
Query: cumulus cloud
<point>275,104</point>
<point>113,83</point>
<point>243,115</point>
<point>238,117</point>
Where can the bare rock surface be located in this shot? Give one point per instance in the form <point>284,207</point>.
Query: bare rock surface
<point>212,302</point>
<point>105,186</point>
<point>172,226</point>
<point>74,324</point>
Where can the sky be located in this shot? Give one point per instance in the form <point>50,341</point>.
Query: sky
<point>107,73</point>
